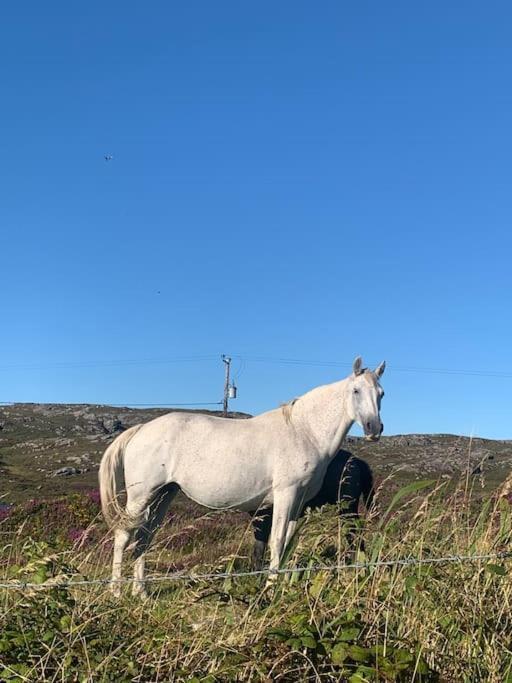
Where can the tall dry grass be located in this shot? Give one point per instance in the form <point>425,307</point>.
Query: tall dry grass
<point>446,622</point>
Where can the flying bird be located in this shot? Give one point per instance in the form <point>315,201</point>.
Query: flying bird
<point>108,157</point>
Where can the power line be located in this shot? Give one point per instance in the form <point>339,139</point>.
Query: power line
<point>163,405</point>
<point>330,363</point>
<point>113,405</point>
<point>107,362</point>
<point>244,359</point>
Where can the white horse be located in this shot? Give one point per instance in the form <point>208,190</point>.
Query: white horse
<point>275,459</point>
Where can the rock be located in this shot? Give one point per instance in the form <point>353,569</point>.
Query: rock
<point>77,459</point>
<point>65,472</point>
<point>112,425</point>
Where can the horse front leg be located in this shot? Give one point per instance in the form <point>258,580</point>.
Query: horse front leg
<point>285,509</point>
<point>296,512</point>
<point>290,531</point>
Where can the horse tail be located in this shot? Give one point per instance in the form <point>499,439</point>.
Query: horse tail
<point>111,479</point>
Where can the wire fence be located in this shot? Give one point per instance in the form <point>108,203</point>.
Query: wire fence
<point>57,582</point>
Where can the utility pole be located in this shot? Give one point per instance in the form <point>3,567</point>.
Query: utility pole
<point>230,389</point>
<point>227,363</point>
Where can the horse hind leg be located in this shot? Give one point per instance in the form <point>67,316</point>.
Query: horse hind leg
<point>122,537</point>
<point>351,519</point>
<point>258,555</point>
<point>121,540</point>
<point>261,525</point>
<point>144,534</point>
<point>123,533</point>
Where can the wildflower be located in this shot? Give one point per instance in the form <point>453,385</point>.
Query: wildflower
<point>77,535</point>
<point>5,511</point>
<point>94,496</point>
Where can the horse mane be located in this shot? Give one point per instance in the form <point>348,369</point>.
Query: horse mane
<point>287,410</point>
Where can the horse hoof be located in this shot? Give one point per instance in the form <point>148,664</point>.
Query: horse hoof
<point>270,583</point>
<point>140,593</point>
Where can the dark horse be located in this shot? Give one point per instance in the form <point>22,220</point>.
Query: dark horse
<point>347,479</point>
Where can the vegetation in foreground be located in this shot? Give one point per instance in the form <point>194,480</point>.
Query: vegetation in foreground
<point>440,622</point>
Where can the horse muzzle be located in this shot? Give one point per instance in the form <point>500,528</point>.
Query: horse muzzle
<point>372,434</point>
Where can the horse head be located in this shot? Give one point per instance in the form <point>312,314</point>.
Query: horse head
<point>364,397</point>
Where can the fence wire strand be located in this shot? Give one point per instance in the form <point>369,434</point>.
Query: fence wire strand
<point>216,576</point>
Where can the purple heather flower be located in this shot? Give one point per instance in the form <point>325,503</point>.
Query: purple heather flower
<point>5,510</point>
<point>94,496</point>
<point>77,535</point>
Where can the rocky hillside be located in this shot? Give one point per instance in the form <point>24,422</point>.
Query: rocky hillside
<point>51,449</point>
<point>48,449</point>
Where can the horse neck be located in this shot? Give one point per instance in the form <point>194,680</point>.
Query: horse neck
<point>322,413</point>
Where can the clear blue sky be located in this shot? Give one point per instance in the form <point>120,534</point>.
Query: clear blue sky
<point>289,181</point>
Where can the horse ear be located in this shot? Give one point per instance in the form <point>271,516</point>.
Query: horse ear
<point>380,370</point>
<point>357,366</point>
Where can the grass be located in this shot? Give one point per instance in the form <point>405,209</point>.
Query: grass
<point>449,622</point>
